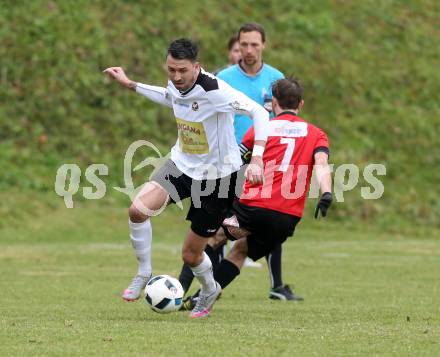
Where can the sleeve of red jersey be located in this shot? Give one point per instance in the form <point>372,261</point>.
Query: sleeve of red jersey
<point>322,144</point>
<point>248,138</point>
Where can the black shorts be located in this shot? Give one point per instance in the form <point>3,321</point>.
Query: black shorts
<point>210,199</point>
<point>267,228</point>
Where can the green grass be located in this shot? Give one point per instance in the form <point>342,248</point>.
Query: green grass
<point>367,292</point>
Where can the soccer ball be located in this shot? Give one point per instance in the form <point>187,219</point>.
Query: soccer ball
<point>164,294</point>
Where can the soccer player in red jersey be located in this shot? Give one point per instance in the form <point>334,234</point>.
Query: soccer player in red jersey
<point>267,214</point>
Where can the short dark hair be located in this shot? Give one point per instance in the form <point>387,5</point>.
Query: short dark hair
<point>252,26</point>
<point>232,40</point>
<point>288,92</point>
<point>183,48</point>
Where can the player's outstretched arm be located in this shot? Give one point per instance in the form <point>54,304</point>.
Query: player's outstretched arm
<point>154,93</point>
<point>118,74</point>
<point>325,182</point>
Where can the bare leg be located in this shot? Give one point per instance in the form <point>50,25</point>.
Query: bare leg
<point>238,253</point>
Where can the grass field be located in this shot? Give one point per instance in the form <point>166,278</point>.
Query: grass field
<point>370,69</point>
<point>367,293</point>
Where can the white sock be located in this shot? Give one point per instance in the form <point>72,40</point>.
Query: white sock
<point>140,235</point>
<point>204,275</point>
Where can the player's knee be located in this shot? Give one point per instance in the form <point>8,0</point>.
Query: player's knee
<point>189,257</point>
<point>135,214</point>
<point>240,247</point>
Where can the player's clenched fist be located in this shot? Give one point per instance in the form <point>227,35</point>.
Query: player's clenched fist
<point>255,171</point>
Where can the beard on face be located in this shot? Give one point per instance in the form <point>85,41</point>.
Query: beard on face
<point>250,60</point>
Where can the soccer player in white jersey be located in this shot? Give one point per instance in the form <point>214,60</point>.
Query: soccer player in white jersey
<point>203,162</point>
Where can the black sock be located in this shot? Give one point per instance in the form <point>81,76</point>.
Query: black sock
<point>186,277</point>
<point>211,254</point>
<point>274,264</point>
<point>217,256</point>
<point>221,252</point>
<point>225,273</point>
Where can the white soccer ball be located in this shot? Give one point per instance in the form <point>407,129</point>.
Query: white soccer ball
<point>164,294</point>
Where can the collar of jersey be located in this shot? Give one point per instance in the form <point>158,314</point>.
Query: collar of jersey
<point>199,78</point>
<point>287,112</point>
<point>240,68</point>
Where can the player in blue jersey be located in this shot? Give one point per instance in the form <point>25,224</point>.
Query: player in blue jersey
<point>252,76</point>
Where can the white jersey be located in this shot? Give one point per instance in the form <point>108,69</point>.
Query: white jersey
<point>206,146</point>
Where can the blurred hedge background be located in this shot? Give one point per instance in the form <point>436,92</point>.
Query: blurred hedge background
<point>370,70</point>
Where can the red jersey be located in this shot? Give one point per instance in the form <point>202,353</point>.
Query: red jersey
<point>288,164</point>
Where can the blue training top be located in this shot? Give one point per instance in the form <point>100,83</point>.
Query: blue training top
<point>258,88</point>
